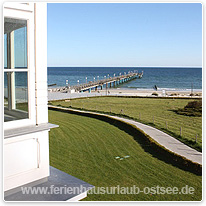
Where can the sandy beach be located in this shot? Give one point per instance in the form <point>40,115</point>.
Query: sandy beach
<point>126,92</point>
<point>151,92</point>
<point>21,94</point>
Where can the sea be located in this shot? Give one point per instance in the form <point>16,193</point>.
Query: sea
<point>165,78</point>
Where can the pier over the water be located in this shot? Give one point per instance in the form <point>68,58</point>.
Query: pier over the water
<point>100,84</point>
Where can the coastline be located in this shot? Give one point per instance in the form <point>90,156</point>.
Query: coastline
<point>150,92</point>
<point>57,95</point>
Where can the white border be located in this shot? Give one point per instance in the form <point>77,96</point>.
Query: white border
<point>203,84</point>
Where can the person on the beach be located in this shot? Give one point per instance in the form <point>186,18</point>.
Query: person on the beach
<point>155,87</point>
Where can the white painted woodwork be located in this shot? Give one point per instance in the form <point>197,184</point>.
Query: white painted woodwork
<point>14,11</point>
<point>26,157</point>
<point>41,61</point>
<point>22,156</point>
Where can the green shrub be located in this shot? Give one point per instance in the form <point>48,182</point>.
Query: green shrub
<point>193,108</point>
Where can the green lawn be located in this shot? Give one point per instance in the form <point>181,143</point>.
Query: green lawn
<point>86,148</point>
<point>153,111</point>
<point>20,106</point>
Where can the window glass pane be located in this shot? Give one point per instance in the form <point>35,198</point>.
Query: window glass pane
<point>5,50</point>
<point>15,39</point>
<point>5,90</point>
<point>20,49</point>
<point>15,96</point>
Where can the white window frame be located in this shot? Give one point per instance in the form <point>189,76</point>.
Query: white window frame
<point>17,12</point>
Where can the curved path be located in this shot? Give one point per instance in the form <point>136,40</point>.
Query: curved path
<point>162,138</point>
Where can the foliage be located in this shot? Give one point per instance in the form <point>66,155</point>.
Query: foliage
<point>193,108</point>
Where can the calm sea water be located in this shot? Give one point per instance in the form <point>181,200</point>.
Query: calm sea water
<point>164,78</point>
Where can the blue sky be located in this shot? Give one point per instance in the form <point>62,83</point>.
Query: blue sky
<point>124,34</point>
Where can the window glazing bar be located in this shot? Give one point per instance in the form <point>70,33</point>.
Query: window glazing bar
<point>16,70</point>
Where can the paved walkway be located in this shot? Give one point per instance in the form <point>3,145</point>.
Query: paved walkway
<point>162,138</point>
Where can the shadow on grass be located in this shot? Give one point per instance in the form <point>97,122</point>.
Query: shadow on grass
<point>187,112</point>
<point>190,143</point>
<point>147,143</point>
<point>193,109</point>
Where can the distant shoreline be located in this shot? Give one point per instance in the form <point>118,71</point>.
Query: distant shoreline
<point>150,92</point>
<point>57,95</point>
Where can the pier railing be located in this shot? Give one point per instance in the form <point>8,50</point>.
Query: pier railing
<point>113,81</point>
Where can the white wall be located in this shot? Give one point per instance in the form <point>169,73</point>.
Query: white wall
<point>26,157</point>
<point>41,62</point>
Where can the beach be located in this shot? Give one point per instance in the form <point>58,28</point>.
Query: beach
<point>54,94</point>
<point>126,92</point>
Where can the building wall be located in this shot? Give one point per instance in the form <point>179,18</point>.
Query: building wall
<point>26,157</point>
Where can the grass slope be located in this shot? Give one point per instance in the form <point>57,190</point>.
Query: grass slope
<point>155,112</point>
<point>86,148</point>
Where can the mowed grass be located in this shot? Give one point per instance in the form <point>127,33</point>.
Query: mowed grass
<point>156,112</point>
<point>86,148</point>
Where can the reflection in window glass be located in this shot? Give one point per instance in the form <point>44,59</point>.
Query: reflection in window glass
<point>5,51</point>
<point>15,83</point>
<point>15,41</point>
<point>20,49</point>
<point>15,96</point>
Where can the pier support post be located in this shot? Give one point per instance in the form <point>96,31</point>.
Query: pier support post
<point>114,83</point>
<point>96,88</point>
<point>106,87</point>
<point>110,84</point>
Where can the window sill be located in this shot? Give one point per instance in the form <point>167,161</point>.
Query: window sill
<point>9,133</point>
